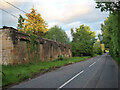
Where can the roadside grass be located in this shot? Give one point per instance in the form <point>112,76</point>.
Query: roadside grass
<point>18,73</point>
<point>117,59</point>
<point>96,55</point>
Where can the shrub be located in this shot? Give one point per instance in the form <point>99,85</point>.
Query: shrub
<point>60,57</point>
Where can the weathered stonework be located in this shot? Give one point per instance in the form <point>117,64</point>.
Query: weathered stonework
<point>13,47</point>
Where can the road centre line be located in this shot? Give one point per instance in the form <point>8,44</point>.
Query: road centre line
<point>70,79</point>
<point>75,76</point>
<point>99,58</point>
<point>92,64</point>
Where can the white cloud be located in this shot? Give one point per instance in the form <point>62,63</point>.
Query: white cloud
<point>5,5</point>
<point>51,24</point>
<point>64,12</point>
<point>73,24</point>
<point>68,32</point>
<point>98,32</point>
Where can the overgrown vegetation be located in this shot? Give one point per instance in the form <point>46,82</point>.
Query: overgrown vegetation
<point>32,48</point>
<point>60,57</point>
<point>97,48</point>
<point>111,34</point>
<point>18,73</point>
<point>83,40</point>
<point>34,23</point>
<point>111,28</point>
<point>57,34</point>
<point>35,26</point>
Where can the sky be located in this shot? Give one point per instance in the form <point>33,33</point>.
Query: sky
<point>66,14</point>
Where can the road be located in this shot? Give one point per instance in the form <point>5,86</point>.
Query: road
<point>96,72</point>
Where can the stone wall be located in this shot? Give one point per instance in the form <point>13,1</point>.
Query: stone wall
<point>14,49</point>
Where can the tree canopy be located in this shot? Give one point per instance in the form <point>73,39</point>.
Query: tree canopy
<point>111,33</point>
<point>83,39</point>
<point>97,47</point>
<point>57,34</point>
<point>113,7</point>
<point>111,27</point>
<point>34,23</point>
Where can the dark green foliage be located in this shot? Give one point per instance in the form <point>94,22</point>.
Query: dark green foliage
<point>32,43</point>
<point>20,22</point>
<point>117,60</point>
<point>57,34</point>
<point>97,48</point>
<point>82,43</point>
<point>32,48</point>
<point>111,32</point>
<point>60,57</point>
<point>100,38</point>
<point>109,6</point>
<point>111,27</point>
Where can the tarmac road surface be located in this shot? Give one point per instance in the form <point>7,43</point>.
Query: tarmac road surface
<point>96,72</point>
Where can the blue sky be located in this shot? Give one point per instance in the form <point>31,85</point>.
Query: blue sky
<point>64,13</point>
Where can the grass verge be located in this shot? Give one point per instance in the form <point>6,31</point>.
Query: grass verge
<point>117,59</point>
<point>18,73</point>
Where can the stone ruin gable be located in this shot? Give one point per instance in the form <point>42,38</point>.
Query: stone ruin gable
<point>50,49</point>
<point>54,49</point>
<point>7,46</point>
<point>65,50</point>
<point>14,47</point>
<point>1,34</point>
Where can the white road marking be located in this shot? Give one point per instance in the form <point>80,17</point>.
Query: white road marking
<point>99,58</point>
<point>75,76</point>
<point>92,64</point>
<point>70,79</point>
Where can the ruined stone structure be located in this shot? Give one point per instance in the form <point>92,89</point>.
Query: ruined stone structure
<point>14,50</point>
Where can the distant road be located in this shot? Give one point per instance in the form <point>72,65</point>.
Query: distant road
<point>97,72</point>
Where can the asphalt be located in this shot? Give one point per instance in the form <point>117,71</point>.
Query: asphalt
<point>97,72</point>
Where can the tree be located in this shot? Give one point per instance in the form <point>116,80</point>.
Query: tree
<point>97,47</point>
<point>57,34</point>
<point>35,26</point>
<point>34,23</point>
<point>111,26</point>
<point>111,34</point>
<point>100,37</point>
<point>83,39</point>
<point>113,7</point>
<point>20,23</point>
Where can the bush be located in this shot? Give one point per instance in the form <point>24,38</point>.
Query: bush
<point>60,57</point>
<point>97,48</point>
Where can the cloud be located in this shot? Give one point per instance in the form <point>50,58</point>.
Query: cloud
<point>8,20</point>
<point>73,24</point>
<point>98,32</point>
<point>69,11</point>
<point>68,32</point>
<point>6,6</point>
<point>64,12</point>
<point>51,24</point>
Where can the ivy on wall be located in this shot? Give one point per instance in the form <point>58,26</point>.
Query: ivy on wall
<point>32,48</point>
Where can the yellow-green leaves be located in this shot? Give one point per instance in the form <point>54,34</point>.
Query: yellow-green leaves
<point>34,24</point>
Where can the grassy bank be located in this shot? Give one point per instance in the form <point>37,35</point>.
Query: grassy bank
<point>117,59</point>
<point>15,74</point>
